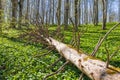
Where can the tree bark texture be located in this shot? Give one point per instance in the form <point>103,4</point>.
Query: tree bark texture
<point>14,13</point>
<point>92,67</point>
<point>66,13</point>
<point>104,14</point>
<point>95,12</point>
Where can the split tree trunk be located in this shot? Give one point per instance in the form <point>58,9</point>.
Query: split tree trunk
<point>92,67</point>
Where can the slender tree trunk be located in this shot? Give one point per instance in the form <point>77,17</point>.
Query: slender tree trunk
<point>104,14</point>
<point>95,12</point>
<point>50,11</point>
<point>86,11</point>
<point>0,16</point>
<point>0,11</point>
<point>14,13</point>
<point>58,13</point>
<point>53,11</point>
<point>43,11</point>
<point>79,13</point>
<point>27,11</point>
<point>37,12</point>
<point>66,13</point>
<point>20,12</point>
<point>76,14</point>
<point>119,10</point>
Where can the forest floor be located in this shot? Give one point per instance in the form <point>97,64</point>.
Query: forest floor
<point>20,60</point>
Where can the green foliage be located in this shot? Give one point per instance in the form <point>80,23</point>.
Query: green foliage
<point>21,59</point>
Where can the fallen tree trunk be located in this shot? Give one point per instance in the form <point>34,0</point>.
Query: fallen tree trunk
<point>92,67</point>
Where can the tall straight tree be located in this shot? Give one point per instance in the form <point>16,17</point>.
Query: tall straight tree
<point>95,13</point>
<point>66,13</point>
<point>20,12</point>
<point>76,14</point>
<point>58,13</point>
<point>50,11</point>
<point>43,10</point>
<point>0,15</point>
<point>79,13</point>
<point>27,11</point>
<point>0,11</point>
<point>14,13</point>
<point>119,10</point>
<point>53,11</point>
<point>104,2</point>
<point>86,11</point>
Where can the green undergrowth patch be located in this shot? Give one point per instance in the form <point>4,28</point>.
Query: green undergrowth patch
<point>21,59</point>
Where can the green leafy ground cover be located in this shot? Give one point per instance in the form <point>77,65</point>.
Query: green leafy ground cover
<point>20,60</point>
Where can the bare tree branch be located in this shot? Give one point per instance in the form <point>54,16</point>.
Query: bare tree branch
<point>55,62</point>
<point>101,40</point>
<point>56,71</point>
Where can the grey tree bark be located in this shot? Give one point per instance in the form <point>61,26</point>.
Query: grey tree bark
<point>66,13</point>
<point>104,2</point>
<point>20,12</point>
<point>76,14</point>
<point>92,67</point>
<point>14,13</point>
<point>27,11</point>
<point>58,13</point>
<point>95,13</point>
<point>119,10</point>
<point>53,10</point>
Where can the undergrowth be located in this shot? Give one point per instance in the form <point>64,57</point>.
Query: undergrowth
<point>20,59</point>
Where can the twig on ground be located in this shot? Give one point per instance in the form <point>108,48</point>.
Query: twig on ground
<point>44,53</point>
<point>108,57</point>
<point>115,52</point>
<point>55,62</point>
<point>81,76</point>
<point>61,68</point>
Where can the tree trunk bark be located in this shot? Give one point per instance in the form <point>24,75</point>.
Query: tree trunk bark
<point>92,67</point>
<point>58,13</point>
<point>95,12</point>
<point>66,13</point>
<point>14,13</point>
<point>104,14</point>
<point>119,10</point>
<point>20,12</point>
<point>76,15</point>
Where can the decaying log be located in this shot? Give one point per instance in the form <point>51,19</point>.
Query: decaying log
<point>92,67</point>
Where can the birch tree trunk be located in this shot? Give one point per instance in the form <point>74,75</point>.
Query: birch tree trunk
<point>92,67</point>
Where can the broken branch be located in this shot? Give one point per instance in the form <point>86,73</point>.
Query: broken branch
<point>56,71</point>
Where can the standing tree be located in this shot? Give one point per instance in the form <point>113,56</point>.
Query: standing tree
<point>104,2</point>
<point>53,11</point>
<point>119,10</point>
<point>0,15</point>
<point>85,11</point>
<point>0,11</point>
<point>58,13</point>
<point>76,14</point>
<point>27,11</point>
<point>20,12</point>
<point>14,13</point>
<point>66,13</point>
<point>79,12</point>
<point>95,13</point>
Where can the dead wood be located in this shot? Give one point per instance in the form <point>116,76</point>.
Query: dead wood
<point>101,40</point>
<point>61,68</point>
